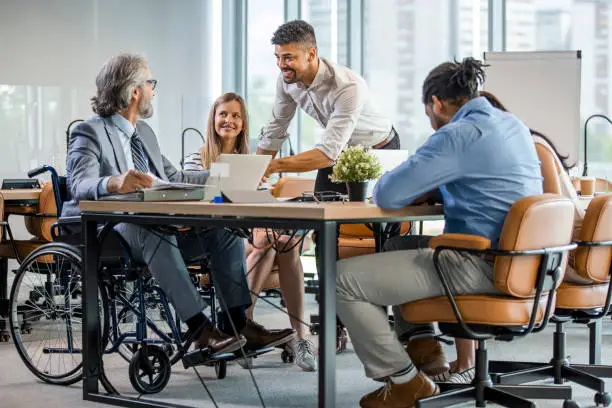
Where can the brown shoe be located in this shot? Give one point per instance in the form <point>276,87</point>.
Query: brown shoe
<point>259,337</point>
<point>427,356</point>
<point>218,342</point>
<point>393,395</point>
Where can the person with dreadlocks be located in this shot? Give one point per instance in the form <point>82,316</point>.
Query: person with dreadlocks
<point>461,163</point>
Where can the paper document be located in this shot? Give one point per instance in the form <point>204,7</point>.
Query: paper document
<point>159,184</point>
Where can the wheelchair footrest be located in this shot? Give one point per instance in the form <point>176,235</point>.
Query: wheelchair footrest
<point>204,357</point>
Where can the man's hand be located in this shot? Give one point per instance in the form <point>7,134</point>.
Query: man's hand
<point>272,168</point>
<point>129,182</point>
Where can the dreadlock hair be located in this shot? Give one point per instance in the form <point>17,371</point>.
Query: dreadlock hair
<point>454,81</point>
<point>296,31</point>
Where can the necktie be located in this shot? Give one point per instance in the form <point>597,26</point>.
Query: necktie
<point>138,155</point>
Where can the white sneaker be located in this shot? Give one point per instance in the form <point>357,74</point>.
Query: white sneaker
<point>464,377</point>
<point>303,352</point>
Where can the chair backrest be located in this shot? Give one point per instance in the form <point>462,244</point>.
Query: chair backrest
<point>602,185</point>
<point>292,186</point>
<point>593,263</point>
<point>534,222</point>
<point>40,225</point>
<point>551,182</point>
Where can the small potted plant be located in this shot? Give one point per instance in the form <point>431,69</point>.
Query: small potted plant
<point>355,166</point>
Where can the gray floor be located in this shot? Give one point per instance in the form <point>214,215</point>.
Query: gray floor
<point>281,385</point>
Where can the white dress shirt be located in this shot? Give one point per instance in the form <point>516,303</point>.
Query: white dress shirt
<point>339,100</point>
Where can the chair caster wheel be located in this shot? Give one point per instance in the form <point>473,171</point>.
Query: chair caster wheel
<point>149,370</point>
<point>287,357</point>
<point>602,398</point>
<point>221,369</point>
<point>341,339</point>
<point>570,404</point>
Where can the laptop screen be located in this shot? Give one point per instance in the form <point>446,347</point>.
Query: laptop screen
<point>245,171</point>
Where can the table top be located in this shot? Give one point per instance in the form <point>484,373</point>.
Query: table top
<point>338,211</point>
<point>20,194</point>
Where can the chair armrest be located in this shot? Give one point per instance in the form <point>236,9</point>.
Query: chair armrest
<point>461,241</point>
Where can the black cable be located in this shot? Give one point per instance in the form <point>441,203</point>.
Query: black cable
<point>162,237</point>
<point>234,330</point>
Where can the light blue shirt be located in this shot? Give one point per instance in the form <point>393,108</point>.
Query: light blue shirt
<point>482,162</point>
<point>125,130</point>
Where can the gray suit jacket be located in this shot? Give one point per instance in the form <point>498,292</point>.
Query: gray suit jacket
<point>95,152</point>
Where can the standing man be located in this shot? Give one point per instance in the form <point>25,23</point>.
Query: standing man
<point>333,95</point>
<point>116,152</point>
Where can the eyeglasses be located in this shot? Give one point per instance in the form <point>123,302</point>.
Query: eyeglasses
<point>153,83</point>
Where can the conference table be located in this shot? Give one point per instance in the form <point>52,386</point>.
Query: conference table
<point>20,202</point>
<point>321,217</point>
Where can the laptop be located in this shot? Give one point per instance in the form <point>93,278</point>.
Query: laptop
<point>389,159</point>
<point>242,174</point>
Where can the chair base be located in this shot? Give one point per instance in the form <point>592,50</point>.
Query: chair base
<point>503,395</point>
<point>559,369</point>
<point>482,390</point>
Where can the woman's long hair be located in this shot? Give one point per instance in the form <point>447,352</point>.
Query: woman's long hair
<point>212,148</point>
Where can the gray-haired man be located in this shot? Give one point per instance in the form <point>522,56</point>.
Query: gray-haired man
<point>114,152</point>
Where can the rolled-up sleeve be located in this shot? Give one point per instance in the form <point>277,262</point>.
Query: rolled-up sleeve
<point>435,163</point>
<point>341,124</point>
<point>274,133</point>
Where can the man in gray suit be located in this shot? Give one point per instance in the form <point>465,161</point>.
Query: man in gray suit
<point>115,152</point>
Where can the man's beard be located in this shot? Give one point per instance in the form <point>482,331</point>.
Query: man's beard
<point>145,109</point>
<point>294,78</point>
<point>439,121</point>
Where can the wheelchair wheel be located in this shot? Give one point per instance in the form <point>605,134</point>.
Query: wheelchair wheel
<point>46,313</point>
<point>150,370</point>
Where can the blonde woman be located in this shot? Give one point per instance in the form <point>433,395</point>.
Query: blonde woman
<point>227,132</point>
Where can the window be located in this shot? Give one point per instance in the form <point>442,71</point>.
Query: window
<point>573,25</point>
<point>404,40</point>
<point>263,17</point>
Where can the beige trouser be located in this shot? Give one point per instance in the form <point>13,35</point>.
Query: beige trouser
<point>365,283</point>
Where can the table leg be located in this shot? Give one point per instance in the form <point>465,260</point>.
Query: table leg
<point>91,324</point>
<point>4,301</point>
<point>327,315</point>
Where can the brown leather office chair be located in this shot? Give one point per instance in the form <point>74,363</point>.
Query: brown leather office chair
<point>580,303</point>
<point>39,225</point>
<point>528,266</point>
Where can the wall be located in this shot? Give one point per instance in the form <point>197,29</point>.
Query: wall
<point>51,51</point>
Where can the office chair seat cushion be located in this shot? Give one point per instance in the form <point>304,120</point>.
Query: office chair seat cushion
<point>349,247</point>
<point>574,296</point>
<point>273,281</point>
<point>475,309</point>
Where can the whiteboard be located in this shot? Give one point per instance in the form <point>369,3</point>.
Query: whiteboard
<point>543,90</point>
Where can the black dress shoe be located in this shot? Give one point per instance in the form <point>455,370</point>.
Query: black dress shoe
<point>218,342</point>
<point>259,337</point>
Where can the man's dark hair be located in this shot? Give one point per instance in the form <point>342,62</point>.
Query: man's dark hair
<point>454,81</point>
<point>296,31</point>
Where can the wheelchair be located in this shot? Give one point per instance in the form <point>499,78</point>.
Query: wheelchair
<point>136,319</point>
